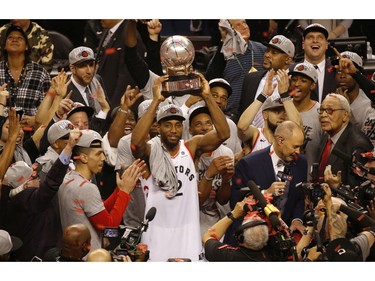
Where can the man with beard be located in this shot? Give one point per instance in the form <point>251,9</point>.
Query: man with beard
<point>87,88</point>
<point>274,112</point>
<point>269,168</point>
<point>174,232</point>
<point>278,56</point>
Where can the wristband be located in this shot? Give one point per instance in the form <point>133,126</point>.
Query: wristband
<point>207,178</point>
<point>2,104</point>
<point>285,97</point>
<point>231,217</point>
<point>123,110</point>
<point>262,97</point>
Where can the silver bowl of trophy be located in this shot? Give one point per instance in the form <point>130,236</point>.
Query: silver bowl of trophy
<point>177,54</point>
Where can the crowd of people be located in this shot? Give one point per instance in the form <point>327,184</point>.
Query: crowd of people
<point>272,159</point>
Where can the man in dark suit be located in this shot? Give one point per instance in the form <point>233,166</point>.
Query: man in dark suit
<point>315,44</point>
<point>87,88</point>
<point>111,60</point>
<point>264,167</point>
<point>278,55</point>
<point>341,136</point>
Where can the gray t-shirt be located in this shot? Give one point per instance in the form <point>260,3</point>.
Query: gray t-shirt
<point>313,135</point>
<point>80,199</point>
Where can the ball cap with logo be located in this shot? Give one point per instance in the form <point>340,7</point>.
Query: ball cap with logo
<point>354,57</point>
<point>316,27</point>
<point>342,249</point>
<point>81,54</point>
<point>90,139</point>
<point>271,104</point>
<point>305,70</point>
<point>283,44</point>
<point>59,130</point>
<point>18,173</point>
<point>170,111</point>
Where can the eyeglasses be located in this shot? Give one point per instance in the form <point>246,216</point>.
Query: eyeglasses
<point>328,110</point>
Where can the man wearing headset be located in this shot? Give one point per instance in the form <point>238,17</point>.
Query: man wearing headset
<point>252,236</point>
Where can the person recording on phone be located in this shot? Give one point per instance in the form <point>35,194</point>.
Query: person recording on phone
<point>276,169</point>
<point>252,237</point>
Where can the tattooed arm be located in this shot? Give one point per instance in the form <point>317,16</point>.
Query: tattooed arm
<point>336,224</point>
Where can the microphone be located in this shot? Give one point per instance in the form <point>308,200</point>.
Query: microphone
<point>348,159</point>
<point>270,210</point>
<point>149,217</point>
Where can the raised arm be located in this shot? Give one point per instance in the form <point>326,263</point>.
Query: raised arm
<point>246,130</point>
<point>214,138</point>
<point>283,87</point>
<point>139,146</point>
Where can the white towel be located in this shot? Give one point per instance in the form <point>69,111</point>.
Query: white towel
<point>233,43</point>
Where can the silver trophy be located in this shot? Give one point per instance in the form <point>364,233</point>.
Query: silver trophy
<point>177,54</point>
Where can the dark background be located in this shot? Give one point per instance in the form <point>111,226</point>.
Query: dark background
<point>73,29</point>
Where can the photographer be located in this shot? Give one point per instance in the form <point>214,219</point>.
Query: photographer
<point>339,247</point>
<point>252,236</point>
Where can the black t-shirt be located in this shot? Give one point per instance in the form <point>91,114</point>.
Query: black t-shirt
<point>217,251</point>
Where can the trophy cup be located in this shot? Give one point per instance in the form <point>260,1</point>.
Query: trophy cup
<point>177,54</point>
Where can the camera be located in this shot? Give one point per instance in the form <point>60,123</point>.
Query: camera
<point>365,193</point>
<point>125,240</point>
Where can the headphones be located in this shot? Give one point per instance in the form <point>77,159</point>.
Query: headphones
<point>239,232</point>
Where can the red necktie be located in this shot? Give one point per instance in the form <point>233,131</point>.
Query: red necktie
<point>325,155</point>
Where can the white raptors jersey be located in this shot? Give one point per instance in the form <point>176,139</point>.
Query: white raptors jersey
<point>175,231</point>
<point>261,141</point>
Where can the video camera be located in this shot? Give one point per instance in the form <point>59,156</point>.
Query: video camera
<point>281,245</point>
<point>124,240</point>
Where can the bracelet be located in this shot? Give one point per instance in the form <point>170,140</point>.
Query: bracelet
<point>207,178</point>
<point>231,217</point>
<point>2,104</point>
<point>262,97</point>
<point>58,116</point>
<point>123,110</point>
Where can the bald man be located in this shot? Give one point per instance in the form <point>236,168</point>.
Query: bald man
<point>76,243</point>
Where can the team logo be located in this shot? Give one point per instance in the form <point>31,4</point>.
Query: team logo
<point>301,67</point>
<point>173,110</point>
<point>276,41</point>
<point>84,54</point>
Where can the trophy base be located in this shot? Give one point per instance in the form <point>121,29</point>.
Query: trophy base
<point>181,85</point>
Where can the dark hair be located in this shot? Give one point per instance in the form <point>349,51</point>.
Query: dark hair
<point>11,28</point>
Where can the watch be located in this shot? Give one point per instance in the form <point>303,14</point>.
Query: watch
<point>230,215</point>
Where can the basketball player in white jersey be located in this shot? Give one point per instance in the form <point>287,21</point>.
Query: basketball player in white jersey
<point>175,230</point>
